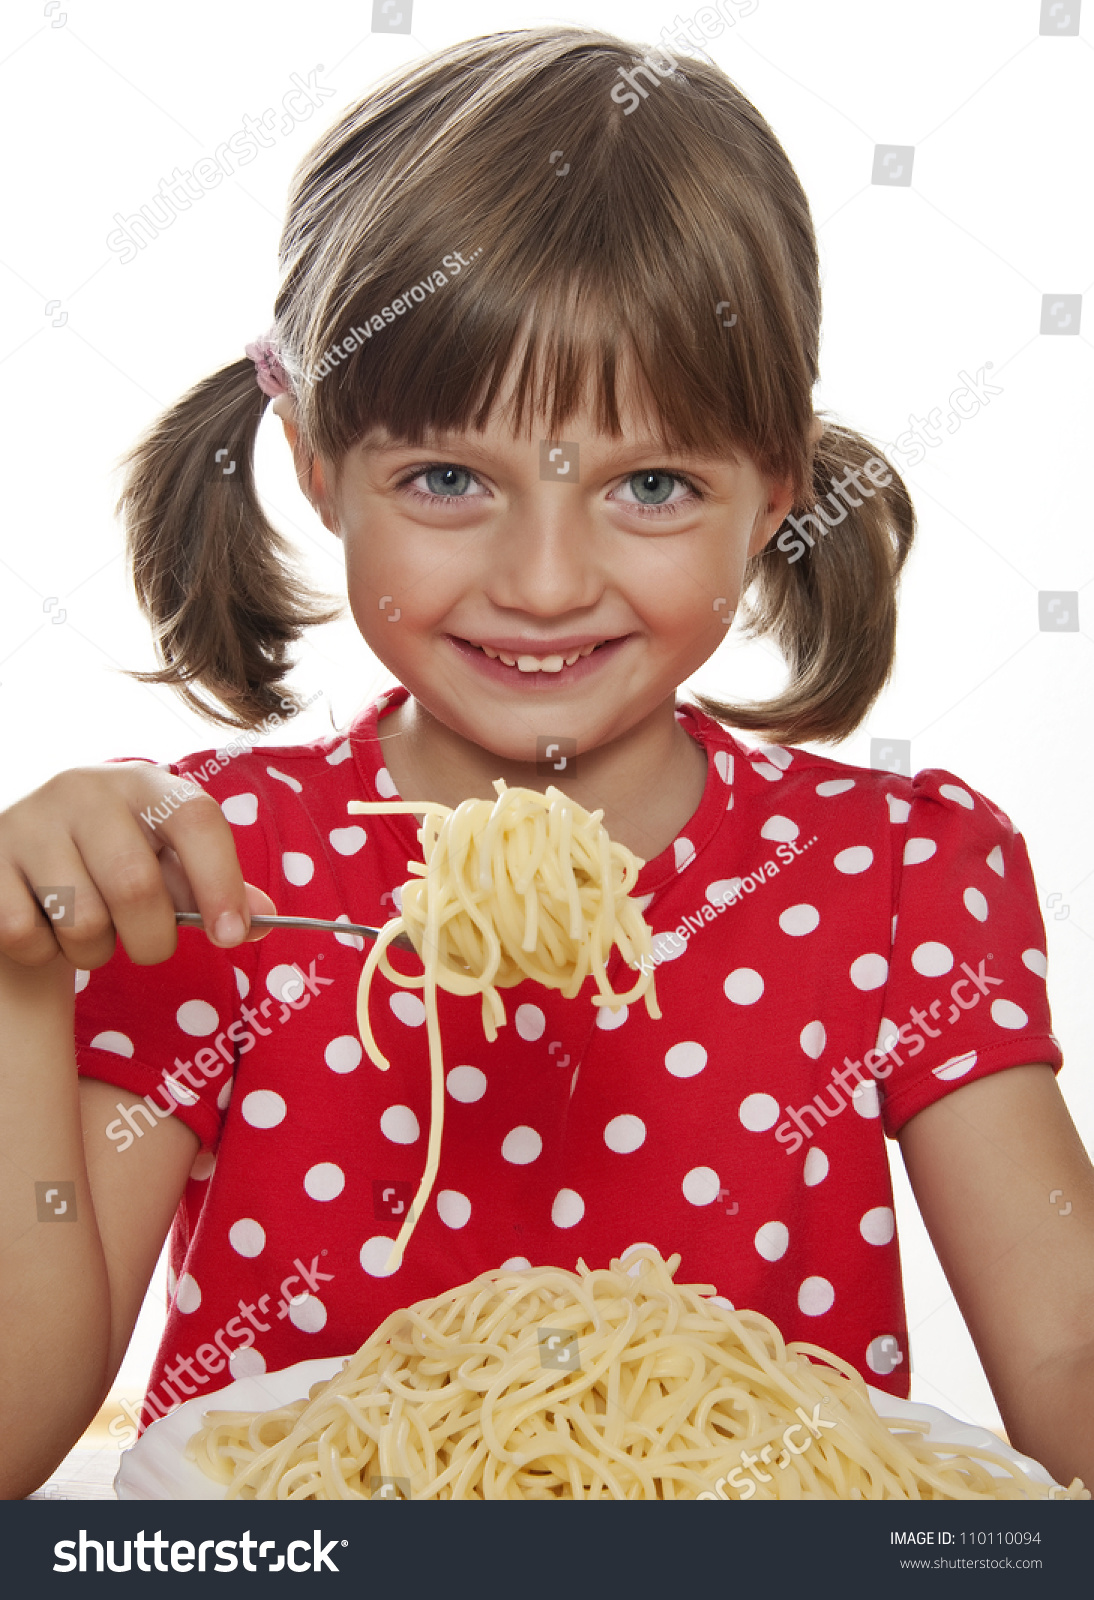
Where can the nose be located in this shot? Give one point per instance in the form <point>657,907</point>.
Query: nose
<point>547,560</point>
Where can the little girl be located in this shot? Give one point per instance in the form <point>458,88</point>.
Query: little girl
<point>546,366</point>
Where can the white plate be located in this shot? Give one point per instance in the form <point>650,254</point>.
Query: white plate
<point>156,1467</point>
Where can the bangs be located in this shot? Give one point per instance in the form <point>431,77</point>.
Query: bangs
<point>489,285</point>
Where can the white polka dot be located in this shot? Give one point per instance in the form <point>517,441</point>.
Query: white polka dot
<point>188,1295</point>
<point>408,1008</point>
<point>247,1237</point>
<point>521,1145</point>
<point>975,904</point>
<point>720,1300</point>
<point>636,1267</point>
<point>917,850</point>
<point>723,765</point>
<point>347,841</point>
<point>242,809</point>
<point>835,786</point>
<point>864,1099</point>
<point>878,1225</point>
<point>466,1084</point>
<point>956,1066</point>
<point>931,959</point>
<point>385,785</point>
<point>297,867</point>
<point>307,1312</point>
<point>668,946</point>
<point>888,1035</point>
<point>118,1044</point>
<point>82,980</point>
<point>765,769</point>
<point>898,809</point>
<point>609,1017</point>
<point>815,1297</point>
<point>995,861</point>
<point>1036,961</point>
<point>776,754</point>
<point>530,1022</point>
<point>453,1208</point>
<point>516,1264</point>
<point>813,1039</point>
<point>953,792</point>
<point>400,1125</point>
<point>246,1363</point>
<point>243,983</point>
<point>263,1108</point>
<point>869,972</point>
<point>324,1181</point>
<point>816,1167</point>
<point>744,986</point>
<point>625,1133</point>
<point>354,941</point>
<point>225,1094</point>
<point>701,1186</point>
<point>567,1209</point>
<point>771,1240</point>
<point>758,1112</point>
<point>344,1053</point>
<point>684,851</point>
<point>723,891</point>
<point>855,859</point>
<point>1007,1015</point>
<point>339,754</point>
<point>204,1164</point>
<point>685,1059</point>
<point>283,777</point>
<point>285,982</point>
<point>179,1092</point>
<point>779,828</point>
<point>799,920</point>
<point>172,1280</point>
<point>374,1256</point>
<point>879,1353</point>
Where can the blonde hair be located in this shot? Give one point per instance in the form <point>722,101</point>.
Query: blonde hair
<point>663,216</point>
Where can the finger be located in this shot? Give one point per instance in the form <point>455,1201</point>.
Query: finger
<point>125,871</point>
<point>66,914</point>
<point>201,840</point>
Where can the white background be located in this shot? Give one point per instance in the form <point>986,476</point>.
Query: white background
<point>102,100</point>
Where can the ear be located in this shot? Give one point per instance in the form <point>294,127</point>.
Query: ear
<point>310,472</point>
<point>780,501</point>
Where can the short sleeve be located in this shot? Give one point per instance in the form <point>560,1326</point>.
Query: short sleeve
<point>170,1032</point>
<point>966,994</point>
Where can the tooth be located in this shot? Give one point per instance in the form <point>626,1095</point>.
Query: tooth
<point>510,661</point>
<point>486,650</point>
<point>551,664</point>
<point>574,655</point>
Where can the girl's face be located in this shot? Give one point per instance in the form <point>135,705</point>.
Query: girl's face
<point>480,547</point>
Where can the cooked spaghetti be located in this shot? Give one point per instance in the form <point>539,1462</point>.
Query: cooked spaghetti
<point>525,886</point>
<point>612,1384</point>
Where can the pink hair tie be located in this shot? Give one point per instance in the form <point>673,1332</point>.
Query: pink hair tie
<point>270,374</point>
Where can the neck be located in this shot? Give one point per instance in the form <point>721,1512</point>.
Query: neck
<point>430,761</point>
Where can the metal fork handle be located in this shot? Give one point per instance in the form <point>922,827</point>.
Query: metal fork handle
<point>193,919</point>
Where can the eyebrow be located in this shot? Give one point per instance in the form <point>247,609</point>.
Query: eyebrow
<point>651,448</point>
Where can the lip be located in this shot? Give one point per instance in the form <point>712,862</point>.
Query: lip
<point>530,682</point>
<point>538,647</point>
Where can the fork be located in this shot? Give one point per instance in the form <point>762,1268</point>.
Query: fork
<point>402,941</point>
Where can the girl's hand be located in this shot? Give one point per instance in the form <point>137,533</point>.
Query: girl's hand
<point>82,837</point>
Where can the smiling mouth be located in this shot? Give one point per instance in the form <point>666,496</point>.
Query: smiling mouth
<point>529,663</point>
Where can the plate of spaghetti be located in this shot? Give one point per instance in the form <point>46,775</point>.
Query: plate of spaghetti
<point>609,1384</point>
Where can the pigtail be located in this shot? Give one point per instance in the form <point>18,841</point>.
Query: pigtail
<point>210,572</point>
<point>824,589</point>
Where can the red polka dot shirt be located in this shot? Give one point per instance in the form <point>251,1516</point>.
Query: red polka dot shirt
<point>836,948</point>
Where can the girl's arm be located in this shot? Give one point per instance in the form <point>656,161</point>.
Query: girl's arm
<point>1006,1190</point>
<point>73,1278</point>
<point>81,1223</point>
